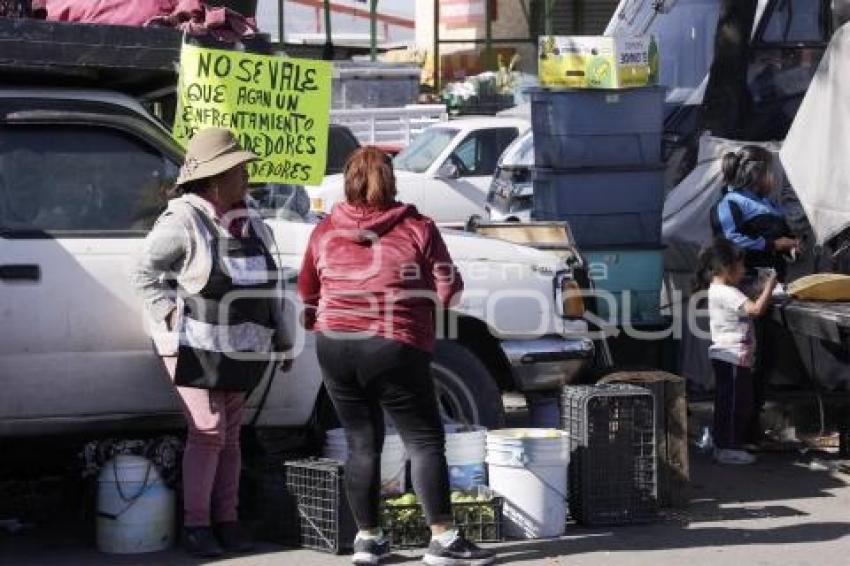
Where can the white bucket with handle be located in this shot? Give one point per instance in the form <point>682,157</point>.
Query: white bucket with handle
<point>135,509</point>
<point>393,459</point>
<point>528,467</point>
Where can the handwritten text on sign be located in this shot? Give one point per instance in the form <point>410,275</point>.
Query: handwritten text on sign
<point>278,107</point>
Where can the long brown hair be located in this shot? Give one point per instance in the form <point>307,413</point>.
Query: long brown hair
<point>369,178</point>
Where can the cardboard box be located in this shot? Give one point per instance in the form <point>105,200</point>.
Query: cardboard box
<point>598,61</point>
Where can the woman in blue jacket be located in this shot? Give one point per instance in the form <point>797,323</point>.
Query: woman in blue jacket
<point>747,217</point>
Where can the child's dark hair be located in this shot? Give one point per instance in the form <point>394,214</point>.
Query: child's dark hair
<point>744,168</point>
<point>720,255</point>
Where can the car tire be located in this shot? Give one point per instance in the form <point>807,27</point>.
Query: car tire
<point>466,391</point>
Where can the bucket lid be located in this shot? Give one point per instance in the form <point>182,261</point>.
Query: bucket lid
<point>455,428</point>
<point>521,434</point>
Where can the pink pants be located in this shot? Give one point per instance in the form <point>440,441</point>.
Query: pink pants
<point>212,459</point>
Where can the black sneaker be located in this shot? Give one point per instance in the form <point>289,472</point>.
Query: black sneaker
<point>233,537</point>
<point>370,551</point>
<point>201,542</point>
<point>460,552</point>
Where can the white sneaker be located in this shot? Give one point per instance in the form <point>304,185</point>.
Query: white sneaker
<point>370,551</point>
<point>734,457</point>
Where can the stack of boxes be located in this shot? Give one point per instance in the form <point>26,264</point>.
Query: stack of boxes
<point>598,166</point>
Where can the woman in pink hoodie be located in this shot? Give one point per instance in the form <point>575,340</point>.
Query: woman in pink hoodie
<point>374,276</point>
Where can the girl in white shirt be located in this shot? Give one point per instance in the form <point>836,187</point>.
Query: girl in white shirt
<point>733,346</point>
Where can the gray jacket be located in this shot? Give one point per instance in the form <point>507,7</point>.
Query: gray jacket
<point>179,247</point>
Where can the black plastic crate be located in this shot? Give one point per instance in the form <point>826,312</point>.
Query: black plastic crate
<point>324,519</point>
<point>15,8</point>
<point>671,429</point>
<point>612,471</point>
<point>480,521</point>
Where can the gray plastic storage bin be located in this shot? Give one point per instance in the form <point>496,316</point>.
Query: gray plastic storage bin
<point>603,207</point>
<point>597,128</point>
<point>374,85</point>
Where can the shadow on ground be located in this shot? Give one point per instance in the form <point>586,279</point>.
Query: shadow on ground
<point>581,542</point>
<point>717,494</point>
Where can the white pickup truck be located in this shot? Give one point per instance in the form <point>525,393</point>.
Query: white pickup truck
<point>81,179</point>
<point>446,171</point>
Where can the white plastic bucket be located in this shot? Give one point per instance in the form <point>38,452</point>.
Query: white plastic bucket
<point>135,510</point>
<point>466,450</point>
<point>393,459</point>
<point>528,467</point>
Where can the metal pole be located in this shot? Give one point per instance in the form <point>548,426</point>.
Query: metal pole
<point>578,17</point>
<point>436,46</point>
<point>281,29</point>
<point>488,35</point>
<point>329,44</point>
<point>547,16</point>
<point>373,30</point>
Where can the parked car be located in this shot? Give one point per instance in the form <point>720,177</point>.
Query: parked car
<point>446,171</point>
<point>82,174</point>
<point>511,193</point>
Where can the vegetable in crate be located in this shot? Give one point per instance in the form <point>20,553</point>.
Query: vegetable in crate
<point>403,510</point>
<point>470,497</point>
<point>406,499</point>
<point>462,497</point>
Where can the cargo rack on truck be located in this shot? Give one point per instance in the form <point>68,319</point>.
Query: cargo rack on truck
<point>135,60</point>
<point>140,61</point>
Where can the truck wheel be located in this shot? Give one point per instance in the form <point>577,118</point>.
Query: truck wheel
<point>466,391</point>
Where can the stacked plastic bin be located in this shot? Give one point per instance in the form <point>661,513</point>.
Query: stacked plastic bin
<point>598,166</point>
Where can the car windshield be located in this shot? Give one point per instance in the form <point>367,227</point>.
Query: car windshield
<point>520,153</point>
<point>283,202</point>
<point>424,149</point>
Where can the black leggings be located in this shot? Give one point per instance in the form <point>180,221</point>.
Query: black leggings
<point>733,404</point>
<point>364,377</point>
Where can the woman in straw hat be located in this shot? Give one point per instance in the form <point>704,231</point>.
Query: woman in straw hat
<point>210,287</point>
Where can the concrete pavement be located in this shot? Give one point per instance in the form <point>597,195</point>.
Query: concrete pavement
<point>778,512</point>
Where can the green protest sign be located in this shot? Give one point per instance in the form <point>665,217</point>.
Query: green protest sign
<point>278,107</point>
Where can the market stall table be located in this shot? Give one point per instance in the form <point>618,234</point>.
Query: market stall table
<point>822,320</point>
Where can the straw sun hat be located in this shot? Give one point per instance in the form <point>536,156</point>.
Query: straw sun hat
<point>210,152</point>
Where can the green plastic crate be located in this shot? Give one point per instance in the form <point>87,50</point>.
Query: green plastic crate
<point>480,521</point>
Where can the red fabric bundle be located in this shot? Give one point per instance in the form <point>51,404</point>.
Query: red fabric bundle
<point>115,12</point>
<point>192,16</point>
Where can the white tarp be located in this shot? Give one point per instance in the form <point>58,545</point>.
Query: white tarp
<point>816,152</point>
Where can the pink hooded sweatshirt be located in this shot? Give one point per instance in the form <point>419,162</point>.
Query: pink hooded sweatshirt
<point>379,272</point>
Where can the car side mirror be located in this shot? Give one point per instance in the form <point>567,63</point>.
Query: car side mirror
<point>448,170</point>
